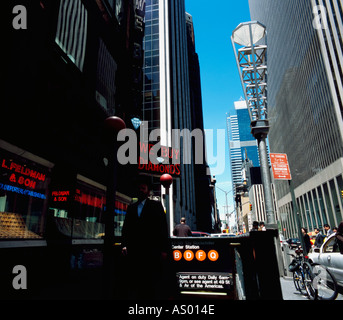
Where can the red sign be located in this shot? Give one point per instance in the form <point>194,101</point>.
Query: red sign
<point>280,166</point>
<point>169,157</point>
<point>21,174</point>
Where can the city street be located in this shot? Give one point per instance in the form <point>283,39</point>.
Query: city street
<point>167,149</point>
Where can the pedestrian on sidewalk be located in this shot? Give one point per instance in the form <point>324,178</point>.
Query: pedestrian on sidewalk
<point>262,226</point>
<point>328,230</point>
<point>182,229</point>
<point>145,244</point>
<point>319,238</point>
<point>307,240</point>
<point>254,226</point>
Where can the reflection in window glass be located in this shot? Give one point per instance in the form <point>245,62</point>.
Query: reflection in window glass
<point>79,213</point>
<point>331,246</point>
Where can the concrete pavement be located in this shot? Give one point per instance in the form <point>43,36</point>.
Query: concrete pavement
<point>290,293</point>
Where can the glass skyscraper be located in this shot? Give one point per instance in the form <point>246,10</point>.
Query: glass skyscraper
<point>242,144</point>
<point>166,94</point>
<point>305,104</point>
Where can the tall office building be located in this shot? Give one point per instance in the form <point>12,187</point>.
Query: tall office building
<point>305,104</point>
<point>205,207</point>
<point>242,144</point>
<point>166,95</point>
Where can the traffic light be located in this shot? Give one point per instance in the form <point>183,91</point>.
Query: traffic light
<point>250,207</point>
<point>342,194</point>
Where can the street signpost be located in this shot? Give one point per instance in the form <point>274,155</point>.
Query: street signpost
<point>281,171</point>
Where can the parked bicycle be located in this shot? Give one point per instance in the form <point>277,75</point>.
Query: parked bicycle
<point>302,274</point>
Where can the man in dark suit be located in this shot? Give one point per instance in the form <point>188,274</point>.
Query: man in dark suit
<point>182,229</point>
<point>145,244</point>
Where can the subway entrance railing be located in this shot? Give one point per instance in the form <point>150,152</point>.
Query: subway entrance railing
<point>232,268</point>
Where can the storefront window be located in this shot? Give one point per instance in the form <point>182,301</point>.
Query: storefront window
<point>80,213</point>
<point>23,197</point>
<point>120,212</point>
<point>89,212</point>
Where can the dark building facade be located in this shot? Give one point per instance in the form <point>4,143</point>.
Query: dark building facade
<point>75,64</point>
<point>204,208</point>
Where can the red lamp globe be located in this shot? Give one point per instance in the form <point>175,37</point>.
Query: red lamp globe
<point>166,180</point>
<point>114,124</point>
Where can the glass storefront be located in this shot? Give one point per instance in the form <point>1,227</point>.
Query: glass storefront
<point>79,213</point>
<point>38,202</point>
<point>23,197</point>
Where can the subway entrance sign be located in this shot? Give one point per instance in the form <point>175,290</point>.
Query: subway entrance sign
<point>203,266</point>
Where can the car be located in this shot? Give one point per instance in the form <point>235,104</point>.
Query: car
<point>222,235</point>
<point>329,256</point>
<point>200,234</point>
<point>293,243</point>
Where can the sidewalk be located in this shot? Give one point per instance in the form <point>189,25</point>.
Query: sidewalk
<point>288,290</point>
<point>290,293</point>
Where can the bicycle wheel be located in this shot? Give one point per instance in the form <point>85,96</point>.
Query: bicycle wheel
<point>312,293</point>
<point>325,283</point>
<point>299,281</point>
<point>296,279</point>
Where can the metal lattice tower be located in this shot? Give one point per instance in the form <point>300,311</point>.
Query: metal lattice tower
<point>249,42</point>
<point>252,66</point>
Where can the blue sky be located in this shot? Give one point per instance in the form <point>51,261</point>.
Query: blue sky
<point>214,22</point>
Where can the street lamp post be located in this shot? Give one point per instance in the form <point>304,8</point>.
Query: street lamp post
<point>227,207</point>
<point>112,126</point>
<point>252,67</point>
<point>166,181</point>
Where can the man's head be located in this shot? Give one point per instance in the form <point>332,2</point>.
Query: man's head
<point>316,230</point>
<point>183,220</point>
<point>143,188</point>
<point>326,227</point>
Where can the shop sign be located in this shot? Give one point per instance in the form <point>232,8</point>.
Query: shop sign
<point>93,201</point>
<point>22,175</point>
<point>60,196</point>
<point>165,159</point>
<point>79,196</point>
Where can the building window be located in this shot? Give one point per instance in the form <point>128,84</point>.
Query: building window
<point>71,31</point>
<point>23,197</point>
